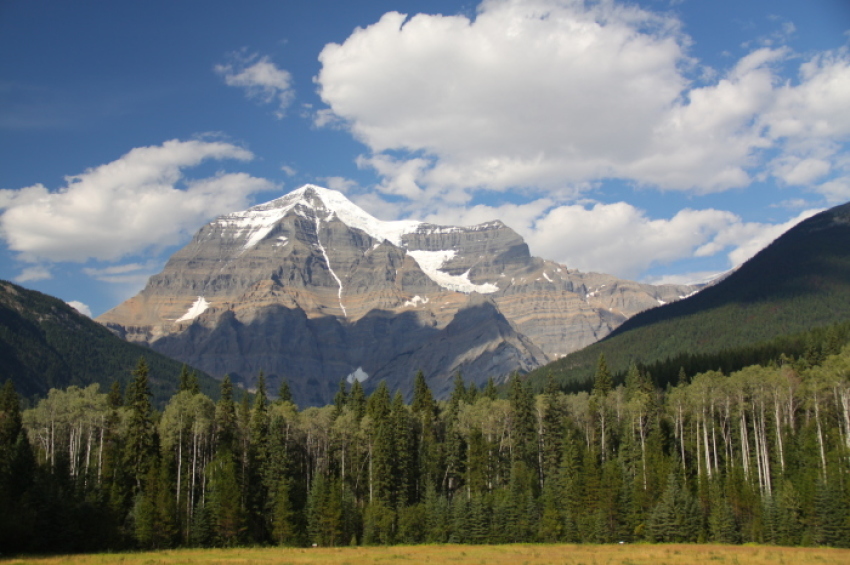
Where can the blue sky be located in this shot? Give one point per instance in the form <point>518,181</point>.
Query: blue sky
<point>656,140</point>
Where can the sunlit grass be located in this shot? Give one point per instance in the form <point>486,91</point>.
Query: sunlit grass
<point>466,554</point>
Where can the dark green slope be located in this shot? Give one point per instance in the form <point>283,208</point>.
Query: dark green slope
<point>44,344</point>
<point>799,282</point>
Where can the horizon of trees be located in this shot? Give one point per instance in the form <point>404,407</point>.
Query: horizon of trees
<point>758,455</point>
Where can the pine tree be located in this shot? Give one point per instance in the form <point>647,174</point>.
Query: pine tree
<point>423,400</point>
<point>426,458</point>
<point>490,389</point>
<point>382,451</point>
<point>258,456</point>
<point>183,381</point>
<point>155,524</point>
<point>403,488</point>
<point>790,521</point>
<point>357,400</point>
<point>140,443</point>
<point>722,525</point>
<point>340,398</point>
<point>17,467</point>
<point>831,515</point>
<point>551,439</point>
<point>602,382</point>
<point>225,418</point>
<point>676,517</point>
<point>284,526</point>
<point>284,394</point>
<point>227,516</point>
<point>325,513</point>
<point>524,425</point>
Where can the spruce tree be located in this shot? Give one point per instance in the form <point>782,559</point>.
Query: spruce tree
<point>357,400</point>
<point>676,517</point>
<point>403,456</point>
<point>831,515</point>
<point>183,382</point>
<point>490,389</point>
<point>602,382</point>
<point>17,469</point>
<point>227,516</point>
<point>140,443</point>
<point>283,515</point>
<point>383,450</point>
<point>426,462</point>
<point>284,394</point>
<point>340,398</point>
<point>258,456</point>
<point>225,418</point>
<point>524,425</point>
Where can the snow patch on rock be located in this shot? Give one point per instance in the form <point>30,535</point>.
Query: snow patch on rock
<point>199,307</point>
<point>416,301</point>
<point>431,263</point>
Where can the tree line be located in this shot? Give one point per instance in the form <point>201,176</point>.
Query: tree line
<point>758,455</point>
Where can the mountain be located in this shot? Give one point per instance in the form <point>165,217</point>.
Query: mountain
<point>799,282</point>
<point>44,344</point>
<point>311,288</point>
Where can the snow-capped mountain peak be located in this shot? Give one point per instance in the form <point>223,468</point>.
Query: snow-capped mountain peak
<point>255,223</point>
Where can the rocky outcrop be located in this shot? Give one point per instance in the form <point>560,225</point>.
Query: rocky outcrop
<point>311,288</point>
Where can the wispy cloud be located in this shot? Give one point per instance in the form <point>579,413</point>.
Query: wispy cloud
<point>261,79</point>
<point>31,274</point>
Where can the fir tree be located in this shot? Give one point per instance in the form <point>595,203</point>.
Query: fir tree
<point>284,394</point>
<point>183,382</point>
<point>340,398</point>
<point>602,382</point>
<point>139,445</point>
<point>225,418</point>
<point>382,451</point>
<point>324,513</point>
<point>284,525</point>
<point>524,423</point>
<point>17,467</point>
<point>490,389</point>
<point>357,400</point>
<point>676,518</point>
<point>258,456</point>
<point>831,515</point>
<point>227,516</point>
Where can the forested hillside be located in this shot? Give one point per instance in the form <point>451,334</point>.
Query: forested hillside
<point>759,455</point>
<point>799,282</point>
<point>45,344</point>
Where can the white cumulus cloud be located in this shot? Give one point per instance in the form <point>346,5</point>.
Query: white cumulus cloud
<point>545,93</point>
<point>621,239</point>
<point>137,202</point>
<point>80,307</point>
<point>260,78</point>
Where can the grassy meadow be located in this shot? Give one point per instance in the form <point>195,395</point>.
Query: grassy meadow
<point>562,554</point>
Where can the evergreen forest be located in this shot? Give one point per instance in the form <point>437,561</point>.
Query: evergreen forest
<point>761,454</point>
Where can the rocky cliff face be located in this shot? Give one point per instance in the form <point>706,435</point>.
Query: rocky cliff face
<point>311,288</point>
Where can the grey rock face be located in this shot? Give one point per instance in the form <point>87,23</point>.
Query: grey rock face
<point>312,289</point>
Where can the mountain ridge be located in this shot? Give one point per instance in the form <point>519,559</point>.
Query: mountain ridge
<point>45,343</point>
<point>801,281</point>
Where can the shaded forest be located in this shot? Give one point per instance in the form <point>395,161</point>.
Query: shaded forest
<point>758,455</point>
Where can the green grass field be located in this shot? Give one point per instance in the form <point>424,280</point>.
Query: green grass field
<point>467,554</point>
